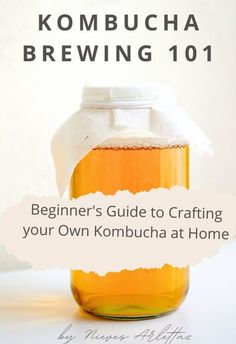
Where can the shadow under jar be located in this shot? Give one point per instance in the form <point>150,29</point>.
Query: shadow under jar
<point>141,293</point>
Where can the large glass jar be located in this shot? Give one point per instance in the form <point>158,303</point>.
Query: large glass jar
<point>135,167</point>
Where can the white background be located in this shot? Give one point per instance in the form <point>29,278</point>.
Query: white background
<point>35,98</point>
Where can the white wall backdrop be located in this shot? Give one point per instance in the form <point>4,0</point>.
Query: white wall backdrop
<point>37,97</point>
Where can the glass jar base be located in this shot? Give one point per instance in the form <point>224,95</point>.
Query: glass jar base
<point>142,307</point>
<point>131,295</point>
<point>129,317</point>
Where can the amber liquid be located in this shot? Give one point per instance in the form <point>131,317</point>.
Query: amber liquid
<point>143,292</point>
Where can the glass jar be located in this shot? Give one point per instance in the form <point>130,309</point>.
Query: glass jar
<point>135,167</point>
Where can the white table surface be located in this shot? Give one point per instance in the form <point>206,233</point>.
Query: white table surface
<point>36,306</point>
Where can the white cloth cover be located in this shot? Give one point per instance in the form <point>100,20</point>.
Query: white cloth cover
<point>122,115</point>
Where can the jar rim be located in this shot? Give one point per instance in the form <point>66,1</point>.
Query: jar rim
<point>138,96</point>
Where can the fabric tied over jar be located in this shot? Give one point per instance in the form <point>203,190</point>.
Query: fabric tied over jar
<point>129,114</point>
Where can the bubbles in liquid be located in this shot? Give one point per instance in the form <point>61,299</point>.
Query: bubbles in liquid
<point>137,147</point>
<point>137,144</point>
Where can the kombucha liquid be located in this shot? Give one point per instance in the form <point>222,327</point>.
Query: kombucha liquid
<point>143,292</point>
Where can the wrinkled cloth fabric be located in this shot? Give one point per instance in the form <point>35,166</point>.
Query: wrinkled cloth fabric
<point>121,115</point>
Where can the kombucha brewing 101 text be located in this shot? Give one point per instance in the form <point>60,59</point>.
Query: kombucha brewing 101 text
<point>133,25</point>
